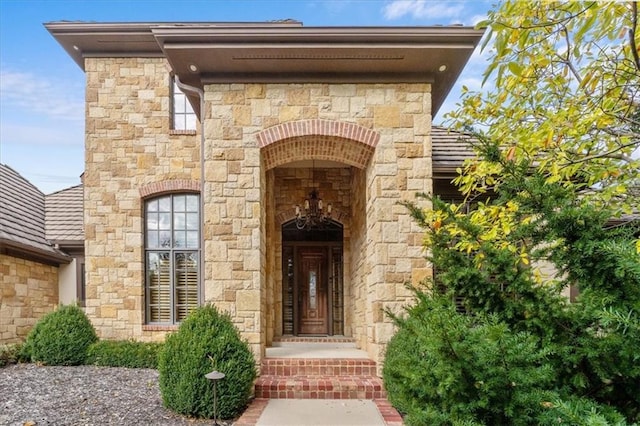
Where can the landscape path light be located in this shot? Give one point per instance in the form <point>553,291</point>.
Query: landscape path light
<point>214,376</point>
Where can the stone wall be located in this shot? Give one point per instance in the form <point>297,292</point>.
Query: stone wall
<point>29,291</point>
<point>360,266</point>
<point>271,298</point>
<point>235,219</point>
<point>129,146</point>
<point>379,130</point>
<point>399,166</point>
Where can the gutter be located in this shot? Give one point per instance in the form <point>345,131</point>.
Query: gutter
<point>198,91</point>
<point>52,256</point>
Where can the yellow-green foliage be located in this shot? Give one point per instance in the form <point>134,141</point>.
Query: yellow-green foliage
<point>562,93</point>
<point>9,353</point>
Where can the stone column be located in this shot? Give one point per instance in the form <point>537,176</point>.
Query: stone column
<point>233,215</point>
<point>401,167</point>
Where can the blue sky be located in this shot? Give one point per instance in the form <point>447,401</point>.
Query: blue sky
<point>42,89</point>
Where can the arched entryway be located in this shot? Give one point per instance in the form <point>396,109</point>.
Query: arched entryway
<point>312,280</point>
<point>331,157</point>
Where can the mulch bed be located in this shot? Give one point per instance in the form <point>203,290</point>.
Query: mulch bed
<point>84,395</point>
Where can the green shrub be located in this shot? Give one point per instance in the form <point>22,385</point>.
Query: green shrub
<point>124,353</point>
<point>206,340</point>
<point>9,354</point>
<point>516,352</point>
<point>26,351</point>
<point>61,337</point>
<point>442,368</point>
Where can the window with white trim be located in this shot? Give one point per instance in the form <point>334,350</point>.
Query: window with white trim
<point>172,253</point>
<point>183,116</point>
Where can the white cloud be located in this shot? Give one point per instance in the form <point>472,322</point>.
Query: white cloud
<point>474,20</point>
<point>419,9</point>
<point>29,93</point>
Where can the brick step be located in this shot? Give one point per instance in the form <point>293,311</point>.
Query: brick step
<point>287,367</point>
<point>320,387</point>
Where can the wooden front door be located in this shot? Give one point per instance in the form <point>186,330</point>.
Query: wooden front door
<point>313,312</point>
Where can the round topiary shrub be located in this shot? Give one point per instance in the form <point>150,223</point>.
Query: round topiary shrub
<point>60,337</point>
<point>207,340</point>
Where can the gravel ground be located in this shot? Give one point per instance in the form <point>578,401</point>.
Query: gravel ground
<point>84,395</point>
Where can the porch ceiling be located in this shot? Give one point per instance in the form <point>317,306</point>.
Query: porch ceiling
<point>201,53</point>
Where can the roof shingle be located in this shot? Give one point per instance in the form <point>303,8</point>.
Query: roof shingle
<point>22,214</point>
<point>64,215</point>
<point>450,149</point>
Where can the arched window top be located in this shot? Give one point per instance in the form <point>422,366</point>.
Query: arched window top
<point>173,221</point>
<point>169,186</point>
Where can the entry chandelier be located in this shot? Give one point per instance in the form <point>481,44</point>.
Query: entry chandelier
<point>313,214</point>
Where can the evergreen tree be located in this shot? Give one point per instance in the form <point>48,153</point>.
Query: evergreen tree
<point>555,165</point>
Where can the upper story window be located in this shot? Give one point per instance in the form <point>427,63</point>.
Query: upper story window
<point>183,116</point>
<point>172,253</point>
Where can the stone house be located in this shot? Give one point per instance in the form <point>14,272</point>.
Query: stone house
<point>41,252</point>
<point>259,167</point>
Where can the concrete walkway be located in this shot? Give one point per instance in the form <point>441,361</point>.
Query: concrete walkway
<point>319,412</point>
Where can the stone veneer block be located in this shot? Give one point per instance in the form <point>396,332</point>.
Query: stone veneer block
<point>29,290</point>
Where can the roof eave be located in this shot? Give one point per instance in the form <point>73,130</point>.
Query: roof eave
<point>200,53</point>
<point>52,257</point>
<point>67,244</point>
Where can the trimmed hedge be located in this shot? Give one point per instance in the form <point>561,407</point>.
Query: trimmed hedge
<point>61,337</point>
<point>206,340</point>
<point>124,353</point>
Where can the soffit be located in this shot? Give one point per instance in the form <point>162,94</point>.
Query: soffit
<point>286,52</point>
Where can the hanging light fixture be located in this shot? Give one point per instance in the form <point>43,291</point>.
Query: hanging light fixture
<point>313,214</point>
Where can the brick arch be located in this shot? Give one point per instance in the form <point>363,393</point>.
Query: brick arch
<point>287,215</point>
<point>316,139</point>
<point>167,186</point>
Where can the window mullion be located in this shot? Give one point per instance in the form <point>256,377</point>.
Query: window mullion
<point>172,262</point>
<point>198,285</point>
<point>147,278</point>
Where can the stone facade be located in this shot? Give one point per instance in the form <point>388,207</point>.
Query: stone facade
<point>29,291</point>
<point>131,153</point>
<point>240,232</point>
<point>375,135</point>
